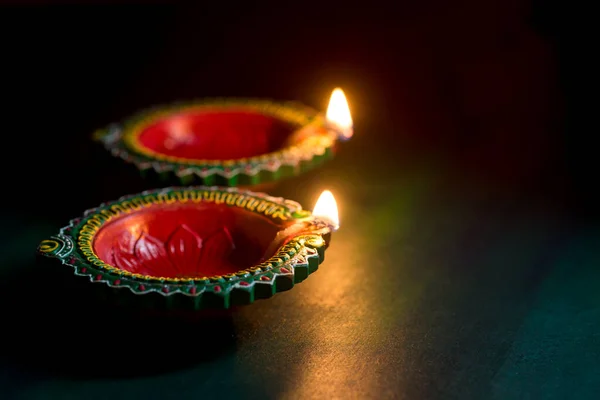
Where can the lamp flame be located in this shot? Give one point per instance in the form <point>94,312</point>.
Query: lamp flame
<point>326,209</point>
<point>338,114</point>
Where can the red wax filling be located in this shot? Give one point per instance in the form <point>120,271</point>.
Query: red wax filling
<point>216,135</point>
<point>186,240</point>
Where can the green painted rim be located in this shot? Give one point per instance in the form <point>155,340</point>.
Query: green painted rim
<point>120,140</point>
<point>291,264</point>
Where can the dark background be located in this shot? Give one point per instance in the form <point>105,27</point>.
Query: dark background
<point>473,166</point>
<point>497,89</point>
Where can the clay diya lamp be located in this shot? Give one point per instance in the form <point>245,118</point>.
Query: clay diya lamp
<point>194,248</point>
<point>229,142</point>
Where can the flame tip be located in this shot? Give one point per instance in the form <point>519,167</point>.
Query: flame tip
<point>338,112</point>
<point>326,208</point>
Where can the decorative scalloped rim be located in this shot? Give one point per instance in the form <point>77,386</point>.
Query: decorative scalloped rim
<point>302,254</point>
<point>121,141</point>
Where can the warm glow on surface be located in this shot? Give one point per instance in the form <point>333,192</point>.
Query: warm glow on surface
<point>338,113</point>
<point>326,208</point>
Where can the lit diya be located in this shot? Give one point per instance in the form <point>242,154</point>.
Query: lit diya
<point>229,142</point>
<point>198,247</point>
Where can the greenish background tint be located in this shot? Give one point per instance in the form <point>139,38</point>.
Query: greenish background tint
<point>458,273</point>
<point>428,291</point>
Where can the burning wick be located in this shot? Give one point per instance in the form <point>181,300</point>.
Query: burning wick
<point>338,115</point>
<point>325,210</point>
<point>338,122</point>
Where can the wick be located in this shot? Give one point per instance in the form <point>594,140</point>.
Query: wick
<point>282,235</point>
<point>343,133</point>
<point>333,225</point>
<point>303,224</point>
<point>305,132</point>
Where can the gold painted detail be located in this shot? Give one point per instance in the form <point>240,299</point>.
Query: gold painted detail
<point>305,149</point>
<point>253,203</point>
<point>48,246</point>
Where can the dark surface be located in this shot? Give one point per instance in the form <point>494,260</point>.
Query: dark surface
<point>467,261</point>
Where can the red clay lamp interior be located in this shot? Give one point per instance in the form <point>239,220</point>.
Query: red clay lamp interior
<point>197,243</point>
<point>215,135</point>
<point>186,240</point>
<point>230,142</point>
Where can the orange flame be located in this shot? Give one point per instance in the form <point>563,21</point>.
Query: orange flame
<point>338,114</point>
<point>326,208</point>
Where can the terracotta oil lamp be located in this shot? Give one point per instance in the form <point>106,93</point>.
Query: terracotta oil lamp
<point>198,247</point>
<point>229,142</point>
